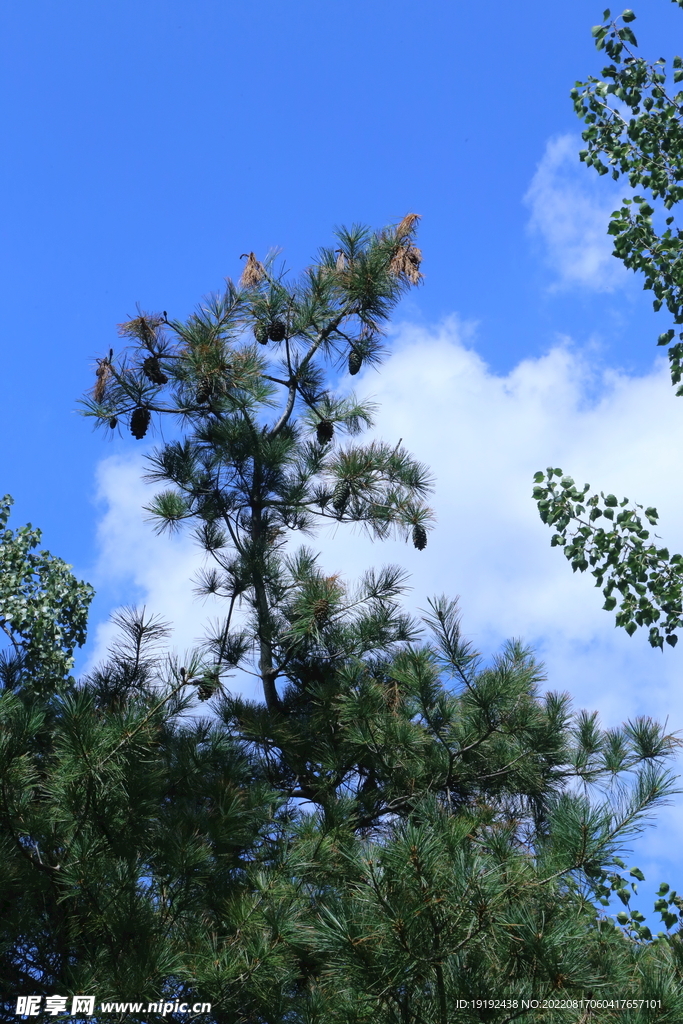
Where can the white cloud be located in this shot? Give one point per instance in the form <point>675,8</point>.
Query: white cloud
<point>484,435</point>
<point>570,211</point>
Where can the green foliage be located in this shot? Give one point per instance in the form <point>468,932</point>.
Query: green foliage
<point>643,578</point>
<point>124,827</point>
<point>43,609</point>
<point>368,732</point>
<point>436,923</point>
<point>148,853</point>
<point>634,128</point>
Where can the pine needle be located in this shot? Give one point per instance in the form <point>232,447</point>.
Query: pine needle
<point>407,262</point>
<point>103,372</point>
<point>143,327</point>
<point>253,272</point>
<point>407,225</point>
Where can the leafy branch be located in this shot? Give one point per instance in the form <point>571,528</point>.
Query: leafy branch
<point>635,128</point>
<point>642,578</point>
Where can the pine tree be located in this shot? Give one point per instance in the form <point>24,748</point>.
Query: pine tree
<point>245,477</point>
<point>434,838</point>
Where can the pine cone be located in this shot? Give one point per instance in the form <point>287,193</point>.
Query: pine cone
<point>355,362</point>
<point>321,609</point>
<point>261,333</point>
<point>277,330</point>
<point>204,391</point>
<point>419,537</point>
<point>340,496</point>
<point>208,685</point>
<point>325,431</point>
<point>152,370</point>
<point>139,422</point>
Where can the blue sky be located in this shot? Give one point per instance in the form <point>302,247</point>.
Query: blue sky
<point>147,144</point>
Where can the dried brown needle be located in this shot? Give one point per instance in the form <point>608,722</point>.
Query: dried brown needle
<point>406,261</point>
<point>143,327</point>
<point>103,373</point>
<point>253,272</point>
<point>407,226</point>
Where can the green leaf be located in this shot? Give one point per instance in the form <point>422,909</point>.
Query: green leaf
<point>628,15</point>
<point>627,34</point>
